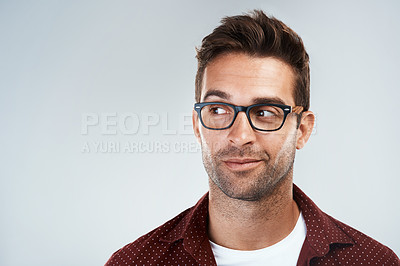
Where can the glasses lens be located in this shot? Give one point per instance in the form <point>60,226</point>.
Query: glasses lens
<point>266,117</point>
<point>217,116</point>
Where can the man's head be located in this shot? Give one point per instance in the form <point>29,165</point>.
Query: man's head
<point>257,35</point>
<point>252,60</point>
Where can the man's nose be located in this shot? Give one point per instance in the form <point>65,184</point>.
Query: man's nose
<point>241,132</point>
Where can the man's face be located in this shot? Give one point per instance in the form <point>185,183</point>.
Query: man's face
<point>244,163</point>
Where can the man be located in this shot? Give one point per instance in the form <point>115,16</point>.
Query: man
<point>252,113</point>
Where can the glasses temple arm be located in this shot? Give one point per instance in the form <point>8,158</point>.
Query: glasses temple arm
<point>297,109</point>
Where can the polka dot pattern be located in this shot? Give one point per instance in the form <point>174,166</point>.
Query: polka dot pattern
<point>180,241</point>
<point>331,242</point>
<point>184,241</point>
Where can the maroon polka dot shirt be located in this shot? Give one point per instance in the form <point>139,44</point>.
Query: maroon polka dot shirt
<point>183,241</point>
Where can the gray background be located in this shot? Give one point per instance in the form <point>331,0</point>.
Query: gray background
<point>60,60</point>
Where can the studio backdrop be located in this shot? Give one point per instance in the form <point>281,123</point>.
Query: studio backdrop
<point>97,146</point>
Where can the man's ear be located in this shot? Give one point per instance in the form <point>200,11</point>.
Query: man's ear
<point>196,122</point>
<point>305,129</point>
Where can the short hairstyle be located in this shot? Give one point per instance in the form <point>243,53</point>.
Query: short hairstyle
<point>256,34</point>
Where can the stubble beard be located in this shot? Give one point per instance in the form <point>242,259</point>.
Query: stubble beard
<point>254,184</point>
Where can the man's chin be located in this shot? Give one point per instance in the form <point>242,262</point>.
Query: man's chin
<point>241,190</point>
<point>249,196</point>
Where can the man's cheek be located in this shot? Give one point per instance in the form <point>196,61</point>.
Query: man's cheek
<point>215,147</point>
<point>211,144</point>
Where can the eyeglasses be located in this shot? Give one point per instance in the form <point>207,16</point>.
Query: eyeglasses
<point>262,117</point>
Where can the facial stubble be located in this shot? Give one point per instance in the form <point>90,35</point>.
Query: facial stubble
<point>254,184</point>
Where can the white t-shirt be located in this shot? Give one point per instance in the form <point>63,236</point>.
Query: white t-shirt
<point>285,252</point>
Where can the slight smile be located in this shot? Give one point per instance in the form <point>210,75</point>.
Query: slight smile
<point>242,164</point>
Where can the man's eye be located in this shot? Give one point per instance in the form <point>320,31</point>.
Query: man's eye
<point>265,113</point>
<point>218,110</point>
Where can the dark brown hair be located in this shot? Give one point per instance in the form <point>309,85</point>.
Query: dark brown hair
<point>258,35</point>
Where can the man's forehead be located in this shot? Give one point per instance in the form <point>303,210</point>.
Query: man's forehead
<point>220,94</point>
<point>248,78</point>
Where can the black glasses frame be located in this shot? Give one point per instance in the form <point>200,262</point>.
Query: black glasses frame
<point>287,109</point>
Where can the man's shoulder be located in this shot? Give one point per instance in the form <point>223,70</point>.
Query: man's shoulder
<point>181,240</point>
<point>330,241</point>
<point>148,244</point>
<point>364,250</point>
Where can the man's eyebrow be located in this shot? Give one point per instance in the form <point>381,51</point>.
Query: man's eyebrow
<point>275,100</point>
<point>218,93</point>
<point>258,100</point>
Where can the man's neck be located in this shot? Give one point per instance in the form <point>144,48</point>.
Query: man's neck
<point>250,225</point>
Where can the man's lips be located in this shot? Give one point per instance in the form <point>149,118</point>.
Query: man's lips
<point>242,164</point>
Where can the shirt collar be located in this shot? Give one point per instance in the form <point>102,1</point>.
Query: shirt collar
<point>322,230</point>
<point>192,228</point>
